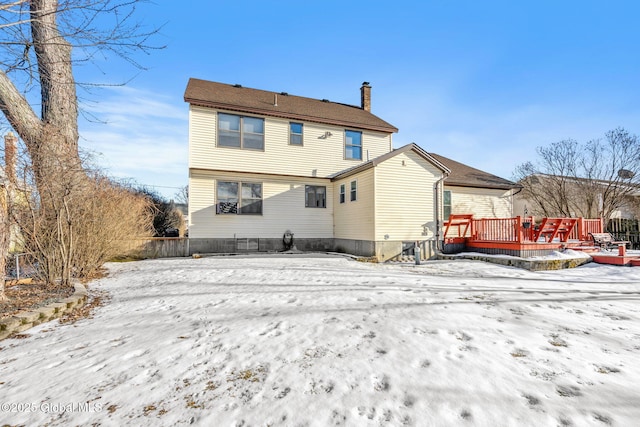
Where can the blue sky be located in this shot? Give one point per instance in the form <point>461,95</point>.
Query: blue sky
<point>483,83</point>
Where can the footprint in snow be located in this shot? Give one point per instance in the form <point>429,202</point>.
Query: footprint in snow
<point>283,393</point>
<point>338,418</point>
<point>568,391</point>
<point>370,413</point>
<point>381,384</point>
<point>408,400</point>
<point>603,419</point>
<point>606,369</point>
<point>565,422</point>
<point>465,414</point>
<point>531,400</point>
<point>462,336</point>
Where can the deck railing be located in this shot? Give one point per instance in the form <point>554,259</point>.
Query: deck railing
<point>586,226</point>
<point>495,229</point>
<point>519,229</point>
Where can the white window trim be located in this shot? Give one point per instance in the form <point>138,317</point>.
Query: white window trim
<point>239,197</point>
<point>351,191</point>
<point>325,197</point>
<point>301,134</point>
<point>351,145</point>
<point>445,217</point>
<point>242,132</point>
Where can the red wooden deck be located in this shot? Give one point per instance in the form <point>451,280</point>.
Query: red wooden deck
<point>519,236</point>
<point>613,259</point>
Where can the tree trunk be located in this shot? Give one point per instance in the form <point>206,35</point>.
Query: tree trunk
<point>52,139</point>
<point>4,236</point>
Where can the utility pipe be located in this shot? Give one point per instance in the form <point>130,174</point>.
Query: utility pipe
<point>438,182</point>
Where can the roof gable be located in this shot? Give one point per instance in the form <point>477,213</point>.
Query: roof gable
<point>375,162</point>
<point>255,101</point>
<point>465,176</point>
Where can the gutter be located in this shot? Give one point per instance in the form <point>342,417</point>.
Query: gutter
<point>438,183</point>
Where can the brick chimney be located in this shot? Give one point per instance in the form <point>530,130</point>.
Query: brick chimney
<point>10,147</point>
<point>365,96</point>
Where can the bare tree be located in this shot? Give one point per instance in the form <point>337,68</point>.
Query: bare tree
<point>182,195</point>
<point>593,179</point>
<point>85,224</point>
<point>40,41</point>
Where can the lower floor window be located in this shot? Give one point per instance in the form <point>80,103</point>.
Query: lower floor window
<point>446,205</point>
<point>235,197</point>
<point>315,196</point>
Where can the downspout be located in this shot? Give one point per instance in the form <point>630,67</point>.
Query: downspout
<point>438,182</point>
<point>513,197</point>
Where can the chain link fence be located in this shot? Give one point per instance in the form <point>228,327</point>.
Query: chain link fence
<point>21,266</point>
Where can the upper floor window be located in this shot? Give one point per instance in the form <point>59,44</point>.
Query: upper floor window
<point>295,133</point>
<point>354,191</point>
<point>238,198</point>
<point>446,205</point>
<point>315,196</point>
<point>353,145</point>
<point>240,131</point>
<point>342,193</point>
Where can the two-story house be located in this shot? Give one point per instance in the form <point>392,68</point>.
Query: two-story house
<point>263,163</point>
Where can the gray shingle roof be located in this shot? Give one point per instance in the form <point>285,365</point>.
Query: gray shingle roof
<point>375,162</point>
<point>229,97</point>
<point>466,176</point>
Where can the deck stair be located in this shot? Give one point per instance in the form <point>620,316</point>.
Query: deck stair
<point>552,228</point>
<point>458,221</point>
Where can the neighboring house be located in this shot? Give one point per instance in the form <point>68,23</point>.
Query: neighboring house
<point>471,191</point>
<point>545,195</point>
<point>262,164</point>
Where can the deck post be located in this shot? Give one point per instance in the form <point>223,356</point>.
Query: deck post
<point>580,229</point>
<point>519,229</point>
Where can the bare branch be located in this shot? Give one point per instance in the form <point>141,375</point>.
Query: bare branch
<point>595,179</point>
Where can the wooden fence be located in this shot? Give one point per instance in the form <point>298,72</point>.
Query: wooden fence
<point>625,229</point>
<point>159,247</point>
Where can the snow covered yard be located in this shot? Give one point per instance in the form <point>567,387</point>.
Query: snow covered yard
<point>323,340</point>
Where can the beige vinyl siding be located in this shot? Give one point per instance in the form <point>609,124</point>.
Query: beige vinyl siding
<point>481,202</point>
<point>355,220</point>
<point>202,135</point>
<point>405,197</point>
<point>283,208</point>
<point>318,156</point>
